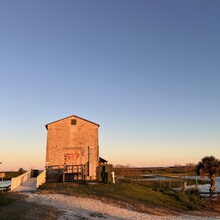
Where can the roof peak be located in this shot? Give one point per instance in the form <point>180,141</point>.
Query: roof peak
<point>70,117</point>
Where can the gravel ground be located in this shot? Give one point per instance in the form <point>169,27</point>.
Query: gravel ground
<point>76,208</point>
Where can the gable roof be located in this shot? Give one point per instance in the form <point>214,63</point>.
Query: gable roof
<point>70,117</point>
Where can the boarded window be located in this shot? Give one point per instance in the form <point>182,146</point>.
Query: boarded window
<point>73,121</point>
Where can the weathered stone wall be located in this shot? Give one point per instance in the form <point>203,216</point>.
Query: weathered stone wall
<point>68,143</point>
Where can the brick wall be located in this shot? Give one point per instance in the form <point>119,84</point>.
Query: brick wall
<point>69,140</point>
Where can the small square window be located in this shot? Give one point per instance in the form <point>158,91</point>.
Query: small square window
<point>73,121</point>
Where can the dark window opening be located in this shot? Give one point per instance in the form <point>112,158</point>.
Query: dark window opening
<point>73,121</point>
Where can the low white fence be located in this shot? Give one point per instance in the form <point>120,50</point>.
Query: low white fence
<point>17,181</point>
<point>41,179</point>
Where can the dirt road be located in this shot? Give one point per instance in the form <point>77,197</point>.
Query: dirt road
<point>76,208</point>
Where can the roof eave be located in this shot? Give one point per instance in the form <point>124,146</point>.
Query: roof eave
<point>69,117</point>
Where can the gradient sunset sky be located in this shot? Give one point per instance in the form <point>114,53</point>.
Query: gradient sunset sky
<point>147,71</point>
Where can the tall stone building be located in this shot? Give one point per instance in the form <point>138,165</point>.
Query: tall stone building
<point>72,146</point>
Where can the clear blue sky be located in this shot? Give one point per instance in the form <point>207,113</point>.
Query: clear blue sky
<point>147,71</point>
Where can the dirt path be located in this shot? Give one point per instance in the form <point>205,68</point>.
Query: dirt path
<point>76,208</point>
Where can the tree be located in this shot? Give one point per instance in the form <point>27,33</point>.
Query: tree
<point>21,171</point>
<point>208,165</point>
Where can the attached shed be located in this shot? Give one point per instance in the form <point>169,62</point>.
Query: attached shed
<point>72,147</point>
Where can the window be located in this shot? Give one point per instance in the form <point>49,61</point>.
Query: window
<point>73,121</point>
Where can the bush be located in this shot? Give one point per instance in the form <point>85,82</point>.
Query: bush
<point>190,198</point>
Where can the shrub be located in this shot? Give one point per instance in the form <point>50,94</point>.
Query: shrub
<point>190,198</point>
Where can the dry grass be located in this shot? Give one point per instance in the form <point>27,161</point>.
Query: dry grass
<point>17,208</point>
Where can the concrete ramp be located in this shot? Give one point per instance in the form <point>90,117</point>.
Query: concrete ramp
<point>27,186</point>
<point>27,183</point>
